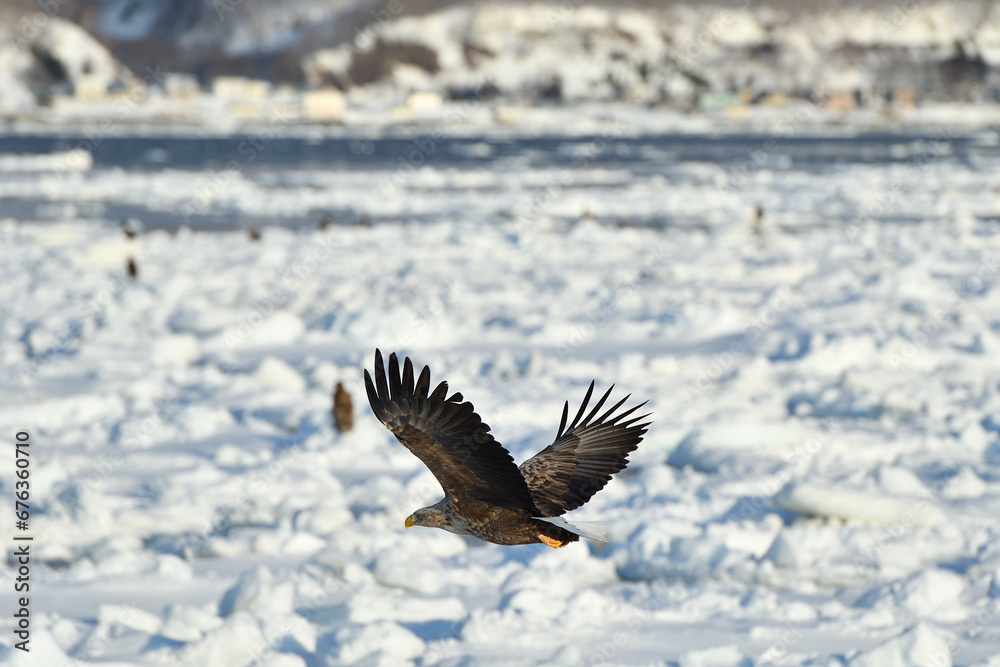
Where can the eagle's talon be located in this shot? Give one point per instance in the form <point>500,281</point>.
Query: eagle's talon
<point>548,541</point>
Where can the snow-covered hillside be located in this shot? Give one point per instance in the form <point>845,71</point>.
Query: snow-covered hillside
<point>582,51</point>
<point>55,56</point>
<point>568,51</point>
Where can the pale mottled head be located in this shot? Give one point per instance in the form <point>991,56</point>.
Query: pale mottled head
<point>432,517</point>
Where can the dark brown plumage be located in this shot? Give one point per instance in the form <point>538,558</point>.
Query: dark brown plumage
<point>486,495</point>
<point>133,270</point>
<point>343,409</point>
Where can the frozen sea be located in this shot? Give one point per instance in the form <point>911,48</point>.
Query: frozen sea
<point>813,315</point>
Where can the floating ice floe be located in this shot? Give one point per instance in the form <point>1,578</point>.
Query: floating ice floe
<point>828,501</point>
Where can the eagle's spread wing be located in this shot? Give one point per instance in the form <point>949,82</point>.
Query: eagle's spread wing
<point>447,435</point>
<point>583,457</point>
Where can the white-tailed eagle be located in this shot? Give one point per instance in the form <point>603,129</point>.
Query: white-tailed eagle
<point>485,494</point>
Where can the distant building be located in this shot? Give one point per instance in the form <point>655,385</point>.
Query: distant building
<point>90,88</point>
<point>323,104</point>
<point>424,101</point>
<point>719,101</point>
<point>180,86</point>
<point>773,100</point>
<point>906,97</point>
<point>240,88</point>
<point>841,101</point>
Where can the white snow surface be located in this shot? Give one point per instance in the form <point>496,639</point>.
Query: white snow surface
<point>820,486</point>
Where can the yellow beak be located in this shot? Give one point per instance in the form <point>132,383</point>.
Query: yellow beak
<point>409,521</point>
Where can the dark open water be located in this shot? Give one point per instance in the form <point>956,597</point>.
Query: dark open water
<point>264,158</point>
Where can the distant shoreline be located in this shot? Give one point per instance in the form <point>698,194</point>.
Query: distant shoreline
<point>798,117</point>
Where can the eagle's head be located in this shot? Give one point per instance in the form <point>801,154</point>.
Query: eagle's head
<point>432,517</point>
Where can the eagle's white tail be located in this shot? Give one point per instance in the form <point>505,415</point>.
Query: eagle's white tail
<point>593,530</point>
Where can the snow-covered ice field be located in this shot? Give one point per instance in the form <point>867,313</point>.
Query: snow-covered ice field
<point>821,484</point>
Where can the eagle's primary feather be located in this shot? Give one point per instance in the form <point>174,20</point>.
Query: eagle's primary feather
<point>486,495</point>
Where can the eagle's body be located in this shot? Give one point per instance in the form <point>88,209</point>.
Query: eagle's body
<point>493,523</point>
<point>486,495</point>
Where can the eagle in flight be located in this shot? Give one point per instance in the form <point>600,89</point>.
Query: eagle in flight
<point>485,494</point>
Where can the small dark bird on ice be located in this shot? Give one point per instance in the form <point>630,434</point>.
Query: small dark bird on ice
<point>253,234</point>
<point>343,409</point>
<point>757,220</point>
<point>131,227</point>
<point>133,270</point>
<point>485,494</point>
